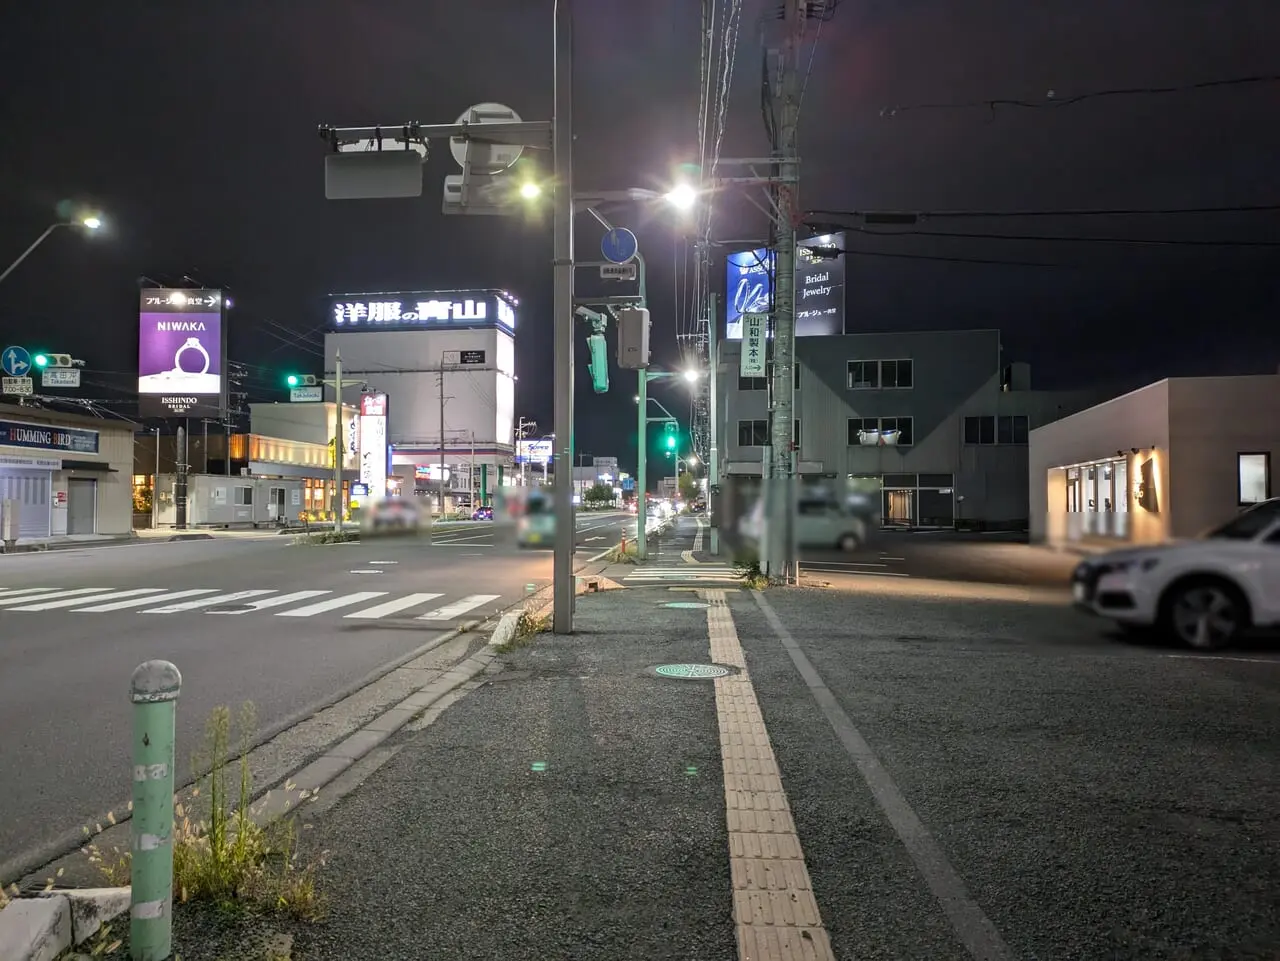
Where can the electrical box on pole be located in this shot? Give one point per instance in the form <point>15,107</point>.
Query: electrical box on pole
<point>633,338</point>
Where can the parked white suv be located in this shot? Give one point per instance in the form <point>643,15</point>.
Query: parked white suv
<point>1203,592</point>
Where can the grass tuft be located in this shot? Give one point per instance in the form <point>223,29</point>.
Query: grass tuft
<point>328,537</point>
<point>617,555</point>
<point>227,858</point>
<point>746,564</point>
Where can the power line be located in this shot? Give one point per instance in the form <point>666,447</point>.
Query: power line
<point>908,217</point>
<point>1053,101</point>
<point>984,261</point>
<point>1040,238</point>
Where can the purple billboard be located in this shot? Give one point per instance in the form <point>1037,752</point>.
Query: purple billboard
<point>180,353</point>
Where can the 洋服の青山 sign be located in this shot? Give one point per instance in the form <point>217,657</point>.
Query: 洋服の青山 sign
<point>180,353</point>
<point>48,437</point>
<point>418,310</point>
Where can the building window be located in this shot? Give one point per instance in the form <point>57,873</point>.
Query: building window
<point>244,496</point>
<point>1253,474</point>
<point>881,431</point>
<point>877,374</point>
<point>895,373</point>
<point>752,383</point>
<point>1010,429</point>
<point>864,374</point>
<point>753,433</point>
<point>795,433</point>
<point>795,379</point>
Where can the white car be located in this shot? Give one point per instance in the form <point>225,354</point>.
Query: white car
<point>1204,592</point>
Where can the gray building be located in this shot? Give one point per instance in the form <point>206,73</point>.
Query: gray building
<point>938,418</point>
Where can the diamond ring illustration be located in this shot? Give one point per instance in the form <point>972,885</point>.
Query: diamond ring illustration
<point>193,343</point>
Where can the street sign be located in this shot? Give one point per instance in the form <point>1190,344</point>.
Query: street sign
<point>618,272</point>
<point>16,386</point>
<point>306,395</point>
<point>15,361</point>
<point>60,377</point>
<point>754,345</point>
<point>472,357</point>
<point>619,245</point>
<point>485,158</point>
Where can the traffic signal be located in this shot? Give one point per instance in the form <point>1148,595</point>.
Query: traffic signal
<point>671,435</point>
<point>300,380</point>
<point>40,360</point>
<point>599,363</point>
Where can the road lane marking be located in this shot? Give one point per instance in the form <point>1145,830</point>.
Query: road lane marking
<point>391,607</point>
<point>206,602</point>
<point>74,601</point>
<point>278,601</point>
<point>79,591</point>
<point>967,918</point>
<point>16,592</point>
<point>775,912</point>
<point>376,563</point>
<point>458,608</point>
<point>332,604</point>
<point>365,570</point>
<point>139,601</point>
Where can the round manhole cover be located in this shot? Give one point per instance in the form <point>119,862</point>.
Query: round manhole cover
<point>691,672</point>
<point>687,605</point>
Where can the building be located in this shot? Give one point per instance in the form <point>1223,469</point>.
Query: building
<point>937,419</point>
<point>1167,461</point>
<point>445,360</point>
<point>65,475</point>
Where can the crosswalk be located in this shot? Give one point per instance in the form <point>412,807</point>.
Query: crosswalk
<point>358,605</point>
<point>660,573</point>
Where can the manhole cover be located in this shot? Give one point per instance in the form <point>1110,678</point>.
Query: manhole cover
<point>691,672</point>
<point>687,605</point>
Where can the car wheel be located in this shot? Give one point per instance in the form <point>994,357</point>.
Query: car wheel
<point>1205,614</point>
<point>848,543</point>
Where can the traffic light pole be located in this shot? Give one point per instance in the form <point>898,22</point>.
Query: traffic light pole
<point>642,456</point>
<point>337,441</point>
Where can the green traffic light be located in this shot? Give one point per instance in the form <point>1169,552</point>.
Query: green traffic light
<point>40,360</point>
<point>292,380</point>
<point>671,442</point>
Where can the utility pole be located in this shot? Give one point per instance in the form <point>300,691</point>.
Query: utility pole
<point>523,427</point>
<point>442,439</point>
<point>562,317</point>
<point>180,483</point>
<point>337,440</point>
<point>713,427</point>
<point>471,473</point>
<point>780,561</point>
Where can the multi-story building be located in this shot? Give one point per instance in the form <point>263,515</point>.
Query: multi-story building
<point>938,418</point>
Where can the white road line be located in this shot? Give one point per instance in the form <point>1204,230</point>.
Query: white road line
<point>15,592</point>
<point>823,570</point>
<point>113,596</point>
<point>365,570</point>
<point>207,602</point>
<point>375,563</point>
<point>79,591</point>
<point>391,607</point>
<point>458,608</point>
<point>588,540</point>
<point>139,601</point>
<point>332,604</point>
<point>1223,657</point>
<point>279,601</point>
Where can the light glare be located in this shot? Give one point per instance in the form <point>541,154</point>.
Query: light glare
<point>93,223</point>
<point>682,197</point>
<point>530,191</point>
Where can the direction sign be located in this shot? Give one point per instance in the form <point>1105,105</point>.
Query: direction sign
<point>306,395</point>
<point>619,245</point>
<point>16,386</point>
<point>15,361</point>
<point>60,377</point>
<point>485,158</point>
<point>617,271</point>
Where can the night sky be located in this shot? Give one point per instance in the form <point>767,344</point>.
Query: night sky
<point>194,132</point>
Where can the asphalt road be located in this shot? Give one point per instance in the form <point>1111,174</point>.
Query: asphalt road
<point>286,627</point>
<point>976,558</point>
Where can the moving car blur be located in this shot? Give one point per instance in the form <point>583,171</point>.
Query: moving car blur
<point>392,515</point>
<point>827,513</point>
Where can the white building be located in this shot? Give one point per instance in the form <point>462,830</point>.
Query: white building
<point>64,474</point>
<point>1167,461</point>
<point>446,361</point>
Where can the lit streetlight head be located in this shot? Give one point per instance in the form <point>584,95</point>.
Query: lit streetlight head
<point>92,223</point>
<point>530,191</point>
<point>692,376</point>
<point>682,197</point>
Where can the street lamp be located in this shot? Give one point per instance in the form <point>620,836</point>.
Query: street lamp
<point>89,222</point>
<point>682,197</point>
<point>530,190</point>
<point>692,375</point>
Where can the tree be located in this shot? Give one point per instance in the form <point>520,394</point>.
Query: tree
<point>688,487</point>
<point>598,494</point>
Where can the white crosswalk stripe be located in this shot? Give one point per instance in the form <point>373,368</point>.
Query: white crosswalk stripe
<point>197,601</point>
<point>712,573</point>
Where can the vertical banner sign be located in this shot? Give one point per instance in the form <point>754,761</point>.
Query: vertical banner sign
<point>181,357</point>
<point>373,444</point>
<point>748,287</point>
<point>820,274</point>
<point>753,345</point>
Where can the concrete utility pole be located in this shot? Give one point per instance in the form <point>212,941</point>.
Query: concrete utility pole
<point>780,560</point>
<point>442,439</point>
<point>562,314</point>
<point>337,440</point>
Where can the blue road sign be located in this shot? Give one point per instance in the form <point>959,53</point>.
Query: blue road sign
<point>619,245</point>
<point>16,362</point>
<point>628,483</point>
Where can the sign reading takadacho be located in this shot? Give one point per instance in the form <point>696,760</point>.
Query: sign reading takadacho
<point>754,344</point>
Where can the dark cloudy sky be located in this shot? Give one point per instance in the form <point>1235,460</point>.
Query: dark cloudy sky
<point>192,126</point>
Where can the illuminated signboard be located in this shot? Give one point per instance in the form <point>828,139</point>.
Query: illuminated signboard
<point>424,310</point>
<point>373,443</point>
<point>181,354</point>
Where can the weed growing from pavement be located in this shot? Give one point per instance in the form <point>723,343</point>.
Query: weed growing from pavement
<point>328,537</point>
<point>621,554</point>
<point>746,564</point>
<point>229,859</point>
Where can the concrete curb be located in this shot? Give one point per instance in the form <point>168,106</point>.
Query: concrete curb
<point>189,537</point>
<point>41,928</point>
<point>506,629</point>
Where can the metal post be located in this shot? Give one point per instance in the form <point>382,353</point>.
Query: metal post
<point>155,487</point>
<point>337,440</point>
<point>713,464</point>
<point>205,459</point>
<point>180,480</point>
<point>227,465</point>
<point>154,690</point>
<point>562,323</point>
<point>781,561</point>
<point>642,457</point>
<point>27,253</point>
<point>471,473</point>
<point>440,479</point>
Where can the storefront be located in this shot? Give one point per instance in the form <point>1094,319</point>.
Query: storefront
<point>62,477</point>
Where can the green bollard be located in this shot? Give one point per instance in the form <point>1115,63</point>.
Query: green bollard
<point>154,690</point>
